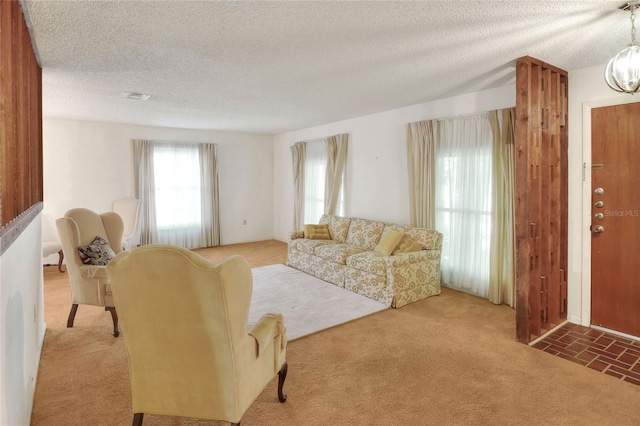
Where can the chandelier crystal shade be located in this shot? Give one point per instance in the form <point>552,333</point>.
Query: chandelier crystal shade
<point>622,73</point>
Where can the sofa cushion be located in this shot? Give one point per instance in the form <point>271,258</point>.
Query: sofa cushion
<point>372,262</point>
<point>338,226</point>
<point>388,241</point>
<point>308,246</point>
<point>395,227</point>
<point>317,232</point>
<point>407,245</point>
<point>329,271</point>
<point>365,233</point>
<point>301,260</point>
<point>337,253</point>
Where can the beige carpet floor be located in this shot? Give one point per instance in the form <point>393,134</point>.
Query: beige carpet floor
<point>446,360</point>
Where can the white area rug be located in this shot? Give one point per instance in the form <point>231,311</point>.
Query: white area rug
<point>307,303</point>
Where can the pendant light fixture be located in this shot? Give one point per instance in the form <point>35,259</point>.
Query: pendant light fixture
<point>622,73</point>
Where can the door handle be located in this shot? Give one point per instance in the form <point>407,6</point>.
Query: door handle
<point>598,229</point>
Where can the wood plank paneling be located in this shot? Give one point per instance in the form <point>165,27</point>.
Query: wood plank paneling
<point>20,116</point>
<point>541,204</point>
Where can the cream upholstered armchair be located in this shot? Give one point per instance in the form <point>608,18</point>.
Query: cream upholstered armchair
<point>129,211</point>
<point>81,228</point>
<point>184,322</point>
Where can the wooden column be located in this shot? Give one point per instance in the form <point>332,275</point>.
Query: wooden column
<point>541,197</point>
<point>20,116</point>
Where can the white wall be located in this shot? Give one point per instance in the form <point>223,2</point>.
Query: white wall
<point>586,89</point>
<point>22,325</point>
<point>89,164</point>
<point>377,179</point>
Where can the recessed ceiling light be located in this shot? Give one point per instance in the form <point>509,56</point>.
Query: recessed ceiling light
<point>136,96</point>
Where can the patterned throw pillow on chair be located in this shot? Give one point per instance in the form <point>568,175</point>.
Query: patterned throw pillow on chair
<point>98,252</point>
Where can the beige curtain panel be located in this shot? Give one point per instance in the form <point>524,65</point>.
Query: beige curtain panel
<point>145,191</point>
<point>502,246</point>
<point>297,154</point>
<point>210,206</point>
<point>336,166</point>
<point>421,164</point>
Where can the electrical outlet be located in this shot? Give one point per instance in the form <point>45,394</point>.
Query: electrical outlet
<point>244,222</point>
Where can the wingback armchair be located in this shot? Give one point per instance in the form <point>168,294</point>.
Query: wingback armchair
<point>129,211</point>
<point>89,282</point>
<point>185,325</point>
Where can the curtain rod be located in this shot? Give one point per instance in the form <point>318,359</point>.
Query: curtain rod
<point>464,115</point>
<point>183,142</point>
<point>313,140</point>
<point>324,138</point>
<point>470,115</point>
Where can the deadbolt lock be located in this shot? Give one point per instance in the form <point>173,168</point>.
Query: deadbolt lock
<point>599,204</point>
<point>599,191</point>
<point>599,216</point>
<point>598,229</point>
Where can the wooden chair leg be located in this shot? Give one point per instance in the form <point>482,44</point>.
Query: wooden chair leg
<point>114,316</point>
<point>60,259</point>
<point>282,375</point>
<point>137,419</point>
<point>72,315</point>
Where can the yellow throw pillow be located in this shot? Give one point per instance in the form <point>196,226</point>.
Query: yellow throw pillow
<point>317,232</point>
<point>407,245</point>
<point>388,242</point>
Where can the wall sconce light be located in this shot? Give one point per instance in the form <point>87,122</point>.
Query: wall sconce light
<point>622,73</point>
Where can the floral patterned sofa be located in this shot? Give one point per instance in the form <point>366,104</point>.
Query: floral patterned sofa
<point>348,260</point>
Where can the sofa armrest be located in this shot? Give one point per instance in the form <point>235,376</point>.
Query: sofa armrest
<point>296,235</point>
<point>413,276</point>
<point>403,259</point>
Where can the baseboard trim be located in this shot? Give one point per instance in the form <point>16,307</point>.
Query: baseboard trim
<point>533,342</point>
<point>576,320</point>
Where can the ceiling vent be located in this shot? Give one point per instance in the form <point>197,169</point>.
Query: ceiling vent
<point>136,96</point>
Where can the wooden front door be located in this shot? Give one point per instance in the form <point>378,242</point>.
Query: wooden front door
<point>615,218</point>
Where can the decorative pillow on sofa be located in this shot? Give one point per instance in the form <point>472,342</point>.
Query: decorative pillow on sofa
<point>407,245</point>
<point>389,241</point>
<point>317,232</point>
<point>98,252</point>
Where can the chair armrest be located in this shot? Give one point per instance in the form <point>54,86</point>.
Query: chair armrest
<point>93,271</point>
<point>267,329</point>
<point>296,235</point>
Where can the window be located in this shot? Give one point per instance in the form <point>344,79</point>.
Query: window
<point>178,186</point>
<point>463,202</point>
<point>318,178</point>
<point>177,191</point>
<point>315,169</point>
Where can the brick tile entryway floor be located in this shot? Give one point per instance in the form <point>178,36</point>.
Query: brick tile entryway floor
<point>604,352</point>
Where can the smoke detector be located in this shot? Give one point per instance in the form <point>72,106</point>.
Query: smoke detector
<point>135,96</point>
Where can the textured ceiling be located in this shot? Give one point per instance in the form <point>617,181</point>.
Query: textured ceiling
<point>276,66</point>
